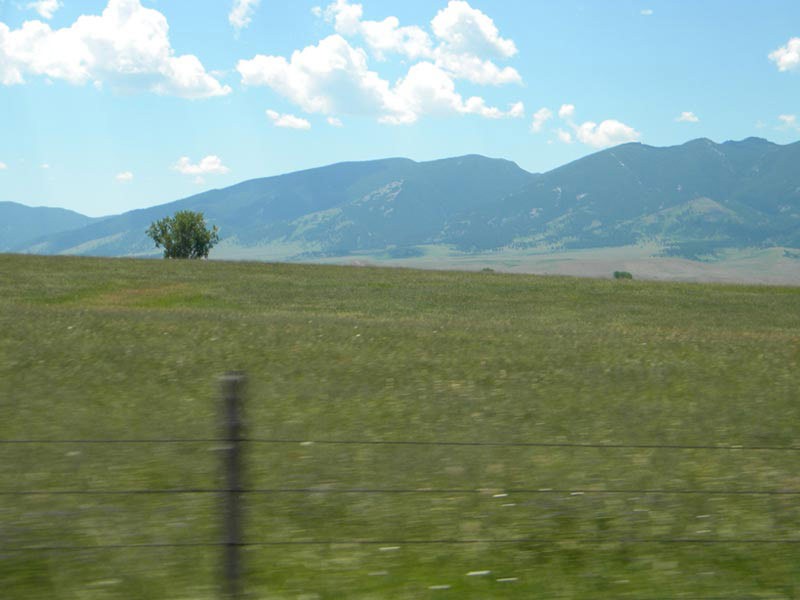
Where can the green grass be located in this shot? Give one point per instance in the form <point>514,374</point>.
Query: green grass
<point>96,348</point>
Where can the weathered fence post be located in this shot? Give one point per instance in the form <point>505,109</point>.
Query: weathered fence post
<point>232,388</point>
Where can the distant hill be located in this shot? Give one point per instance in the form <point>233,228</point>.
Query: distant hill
<point>20,224</point>
<point>329,210</point>
<point>691,200</point>
<point>694,199</point>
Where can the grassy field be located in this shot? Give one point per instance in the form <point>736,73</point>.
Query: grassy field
<point>763,266</point>
<point>121,349</point>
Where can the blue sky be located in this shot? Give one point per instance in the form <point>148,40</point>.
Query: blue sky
<point>110,105</point>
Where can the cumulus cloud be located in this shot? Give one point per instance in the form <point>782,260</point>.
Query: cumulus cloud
<point>334,122</point>
<point>516,111</point>
<point>540,117</point>
<point>210,165</point>
<point>287,121</point>
<point>789,122</point>
<point>388,36</point>
<point>647,12</point>
<point>475,69</point>
<point>127,47</point>
<point>468,30</point>
<point>124,177</point>
<point>345,16</point>
<point>329,78</point>
<point>3,166</point>
<point>564,136</point>
<point>382,37</point>
<point>687,117</point>
<point>566,111</point>
<point>429,90</point>
<point>787,57</point>
<point>45,8</point>
<point>467,36</point>
<point>464,37</point>
<point>333,78</point>
<point>607,133</point>
<point>241,14</point>
<point>44,166</point>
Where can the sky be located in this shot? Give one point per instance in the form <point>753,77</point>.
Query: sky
<point>112,105</point>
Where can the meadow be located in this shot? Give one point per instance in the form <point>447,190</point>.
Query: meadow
<point>669,418</point>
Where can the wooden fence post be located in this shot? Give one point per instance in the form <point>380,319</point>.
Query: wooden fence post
<point>232,387</point>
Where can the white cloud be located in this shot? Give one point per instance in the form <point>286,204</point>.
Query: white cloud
<point>127,47</point>
<point>467,30</point>
<point>465,35</point>
<point>608,133</point>
<point>334,122</point>
<point>45,8</point>
<point>429,90</point>
<point>210,165</point>
<point>329,78</point>
<point>382,37</point>
<point>44,166</point>
<point>540,117</point>
<point>475,69</point>
<point>287,121</point>
<point>387,36</point>
<point>3,166</point>
<point>687,117</point>
<point>334,77</point>
<point>124,177</point>
<point>564,136</point>
<point>789,122</point>
<point>647,12</point>
<point>566,111</point>
<point>345,16</point>
<point>787,57</point>
<point>517,111</point>
<point>241,13</point>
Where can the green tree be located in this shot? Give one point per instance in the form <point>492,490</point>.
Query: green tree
<point>184,235</point>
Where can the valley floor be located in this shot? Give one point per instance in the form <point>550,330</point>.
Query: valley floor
<point>772,266</point>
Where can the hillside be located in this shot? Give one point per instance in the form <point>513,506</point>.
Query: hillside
<point>695,200</point>
<point>20,224</point>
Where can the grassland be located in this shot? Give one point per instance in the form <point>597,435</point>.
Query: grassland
<point>767,266</point>
<point>95,348</point>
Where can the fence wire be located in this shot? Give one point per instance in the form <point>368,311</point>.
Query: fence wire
<point>433,443</point>
<point>554,541</point>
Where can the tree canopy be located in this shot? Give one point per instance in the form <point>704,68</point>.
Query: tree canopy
<point>184,235</point>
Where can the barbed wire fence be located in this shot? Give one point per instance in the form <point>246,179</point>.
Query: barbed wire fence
<point>234,440</point>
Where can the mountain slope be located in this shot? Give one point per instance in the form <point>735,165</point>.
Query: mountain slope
<point>20,224</point>
<point>338,208</point>
<point>700,194</point>
<point>692,200</point>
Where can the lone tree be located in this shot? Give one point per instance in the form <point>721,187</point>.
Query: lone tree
<point>184,235</point>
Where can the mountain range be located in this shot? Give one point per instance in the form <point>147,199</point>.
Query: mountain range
<point>695,200</point>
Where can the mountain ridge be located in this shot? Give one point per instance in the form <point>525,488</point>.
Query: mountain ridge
<point>693,199</point>
<point>19,222</point>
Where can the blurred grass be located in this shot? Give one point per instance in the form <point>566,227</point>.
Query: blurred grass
<point>98,348</point>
